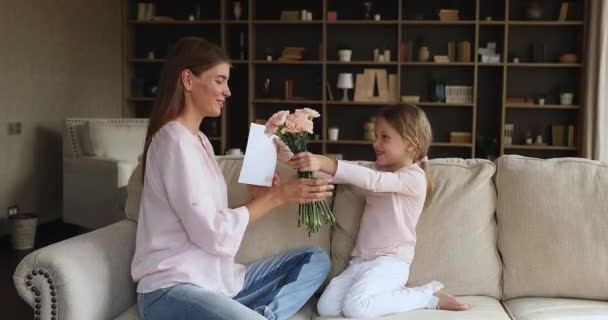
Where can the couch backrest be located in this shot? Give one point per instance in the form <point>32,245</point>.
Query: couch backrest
<point>118,139</point>
<point>553,227</point>
<point>273,234</point>
<point>456,234</point>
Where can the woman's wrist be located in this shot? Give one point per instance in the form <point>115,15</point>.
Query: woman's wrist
<point>274,197</point>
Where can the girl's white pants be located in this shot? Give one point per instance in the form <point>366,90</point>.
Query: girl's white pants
<point>375,288</point>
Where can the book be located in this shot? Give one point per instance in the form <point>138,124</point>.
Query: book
<point>452,51</point>
<point>571,136</point>
<point>330,94</point>
<point>410,50</point>
<point>441,59</point>
<point>464,51</point>
<point>563,11</point>
<point>557,136</point>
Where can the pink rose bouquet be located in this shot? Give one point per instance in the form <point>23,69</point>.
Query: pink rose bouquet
<point>295,129</point>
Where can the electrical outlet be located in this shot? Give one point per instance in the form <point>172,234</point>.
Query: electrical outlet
<point>12,210</point>
<point>14,128</point>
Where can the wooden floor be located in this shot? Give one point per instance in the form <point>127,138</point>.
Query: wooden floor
<point>13,306</point>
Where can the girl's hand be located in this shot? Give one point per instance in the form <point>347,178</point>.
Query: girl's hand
<point>257,191</point>
<point>304,190</point>
<point>284,154</point>
<point>307,162</point>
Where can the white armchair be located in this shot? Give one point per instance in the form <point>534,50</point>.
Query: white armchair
<point>99,156</point>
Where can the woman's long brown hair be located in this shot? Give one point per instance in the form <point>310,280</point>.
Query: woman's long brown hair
<point>195,54</point>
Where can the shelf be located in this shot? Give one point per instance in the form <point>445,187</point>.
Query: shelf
<point>353,103</point>
<point>545,107</point>
<point>288,62</point>
<point>239,61</point>
<point>439,22</point>
<point>389,63</point>
<point>355,142</point>
<point>490,65</point>
<point>363,22</point>
<point>175,22</point>
<point>544,65</point>
<point>492,23</point>
<point>439,64</point>
<point>281,101</point>
<point>287,22</point>
<point>236,21</point>
<point>443,104</point>
<point>144,60</point>
<point>540,147</point>
<point>546,23</point>
<point>451,145</point>
<point>364,142</point>
<point>140,99</point>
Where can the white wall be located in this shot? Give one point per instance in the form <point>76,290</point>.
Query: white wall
<point>58,59</point>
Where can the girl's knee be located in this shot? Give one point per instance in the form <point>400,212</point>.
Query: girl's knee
<point>356,307</point>
<point>328,308</point>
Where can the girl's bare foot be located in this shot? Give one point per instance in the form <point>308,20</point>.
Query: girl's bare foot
<point>449,302</point>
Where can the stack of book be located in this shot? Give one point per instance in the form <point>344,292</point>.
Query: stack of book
<point>459,51</point>
<point>449,15</point>
<point>562,136</point>
<point>459,94</point>
<point>292,53</point>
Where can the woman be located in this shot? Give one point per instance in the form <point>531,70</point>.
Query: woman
<point>187,237</point>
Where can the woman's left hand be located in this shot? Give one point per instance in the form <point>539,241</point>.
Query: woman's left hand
<point>257,191</point>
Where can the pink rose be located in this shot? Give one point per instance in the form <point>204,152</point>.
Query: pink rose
<point>276,121</point>
<point>312,113</point>
<point>291,123</point>
<point>305,125</point>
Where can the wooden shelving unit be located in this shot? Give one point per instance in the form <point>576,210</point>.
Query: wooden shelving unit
<point>407,21</point>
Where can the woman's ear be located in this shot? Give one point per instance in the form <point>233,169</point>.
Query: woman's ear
<point>187,78</point>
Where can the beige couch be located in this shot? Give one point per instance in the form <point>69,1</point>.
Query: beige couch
<point>521,239</point>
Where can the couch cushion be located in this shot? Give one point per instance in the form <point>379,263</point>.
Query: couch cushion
<point>456,233</point>
<point>271,235</point>
<point>134,190</point>
<point>116,140</point>
<point>276,232</point>
<point>550,309</point>
<point>305,313</point>
<point>481,308</point>
<point>553,230</point>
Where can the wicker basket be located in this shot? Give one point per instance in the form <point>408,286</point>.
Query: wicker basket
<point>23,231</point>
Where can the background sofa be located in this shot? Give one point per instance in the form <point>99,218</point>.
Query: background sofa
<point>521,239</point>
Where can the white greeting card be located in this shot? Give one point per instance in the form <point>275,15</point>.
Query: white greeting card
<point>260,159</point>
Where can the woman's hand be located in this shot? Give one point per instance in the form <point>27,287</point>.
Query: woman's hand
<point>257,191</point>
<point>307,162</point>
<point>305,190</point>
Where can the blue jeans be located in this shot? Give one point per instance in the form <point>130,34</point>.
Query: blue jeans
<point>274,288</point>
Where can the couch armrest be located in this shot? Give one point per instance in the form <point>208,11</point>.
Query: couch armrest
<point>85,277</point>
<point>94,190</point>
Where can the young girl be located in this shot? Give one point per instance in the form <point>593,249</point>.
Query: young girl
<point>373,285</point>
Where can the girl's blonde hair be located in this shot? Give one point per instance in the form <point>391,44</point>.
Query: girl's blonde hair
<point>412,124</point>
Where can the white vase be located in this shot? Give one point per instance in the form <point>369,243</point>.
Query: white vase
<point>345,55</point>
<point>566,98</point>
<point>333,134</point>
